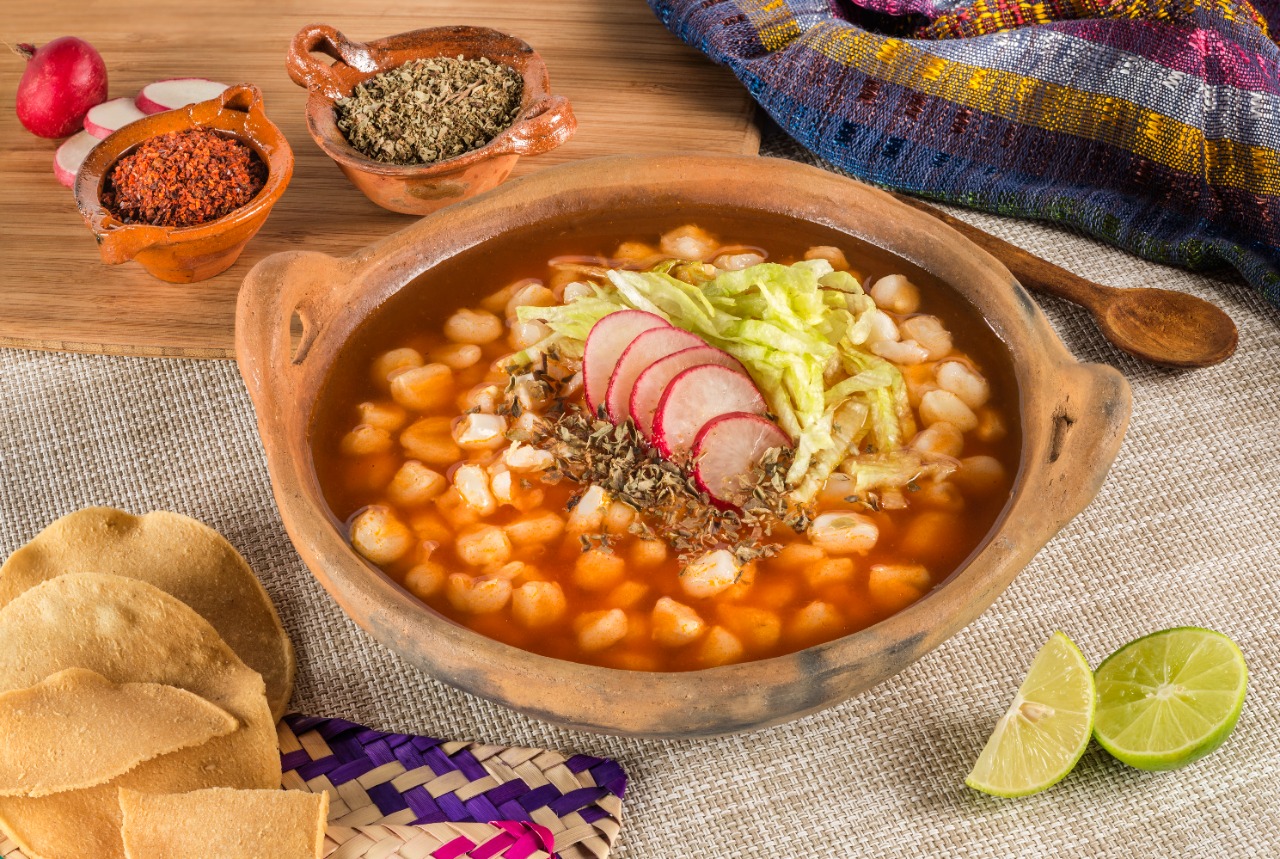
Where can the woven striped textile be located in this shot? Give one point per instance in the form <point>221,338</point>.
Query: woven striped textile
<point>399,795</point>
<point>1151,124</point>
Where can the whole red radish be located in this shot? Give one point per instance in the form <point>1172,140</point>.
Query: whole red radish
<point>62,80</point>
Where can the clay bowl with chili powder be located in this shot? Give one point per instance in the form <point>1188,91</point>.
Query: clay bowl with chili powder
<point>1072,417</point>
<point>544,121</point>
<point>187,254</point>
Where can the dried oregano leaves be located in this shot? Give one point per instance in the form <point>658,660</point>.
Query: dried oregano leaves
<point>429,110</point>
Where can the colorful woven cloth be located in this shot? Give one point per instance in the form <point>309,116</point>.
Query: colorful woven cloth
<point>400,795</point>
<point>1151,124</point>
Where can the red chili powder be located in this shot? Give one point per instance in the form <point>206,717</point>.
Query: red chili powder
<point>184,178</point>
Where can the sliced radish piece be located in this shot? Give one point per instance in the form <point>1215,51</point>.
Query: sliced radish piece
<point>694,399</point>
<point>606,342</point>
<point>70,155</point>
<point>651,346</point>
<point>105,118</point>
<point>176,92</point>
<point>728,449</point>
<point>652,383</point>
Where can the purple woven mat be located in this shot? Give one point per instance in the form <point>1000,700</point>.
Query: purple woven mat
<point>405,780</point>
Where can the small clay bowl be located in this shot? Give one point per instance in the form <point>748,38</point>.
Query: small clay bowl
<point>543,123</point>
<point>1073,417</point>
<point>187,254</point>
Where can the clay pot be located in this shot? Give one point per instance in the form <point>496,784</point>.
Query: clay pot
<point>187,254</point>
<point>1073,417</point>
<point>544,122</point>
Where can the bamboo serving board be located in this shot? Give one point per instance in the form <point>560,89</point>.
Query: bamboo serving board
<point>634,88</point>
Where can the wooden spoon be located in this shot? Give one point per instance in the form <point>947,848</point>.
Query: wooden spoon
<point>1162,326</point>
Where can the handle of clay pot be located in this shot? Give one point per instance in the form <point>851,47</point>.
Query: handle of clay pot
<point>543,126</point>
<point>307,71</point>
<point>1088,423</point>
<point>304,283</point>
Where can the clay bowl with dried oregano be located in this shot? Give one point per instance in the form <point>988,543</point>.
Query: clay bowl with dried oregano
<point>426,118</point>
<point>407,472</point>
<point>148,195</point>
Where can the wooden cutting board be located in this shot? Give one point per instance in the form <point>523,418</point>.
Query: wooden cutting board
<point>634,87</point>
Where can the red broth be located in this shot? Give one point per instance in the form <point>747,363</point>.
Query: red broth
<point>800,597</point>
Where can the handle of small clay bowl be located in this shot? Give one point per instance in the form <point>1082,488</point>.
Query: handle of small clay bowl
<point>1089,418</point>
<point>543,126</point>
<point>302,282</point>
<point>245,98</point>
<point>306,71</point>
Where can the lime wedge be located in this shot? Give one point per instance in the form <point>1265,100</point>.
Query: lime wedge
<point>1046,729</point>
<point>1169,698</point>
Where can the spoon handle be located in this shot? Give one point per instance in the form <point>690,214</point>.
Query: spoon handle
<point>1030,270</point>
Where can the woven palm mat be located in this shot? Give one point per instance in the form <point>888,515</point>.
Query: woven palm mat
<point>397,795</point>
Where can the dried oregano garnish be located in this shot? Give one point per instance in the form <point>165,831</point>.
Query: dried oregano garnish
<point>429,110</point>
<point>617,458</point>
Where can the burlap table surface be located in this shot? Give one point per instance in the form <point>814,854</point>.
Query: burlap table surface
<point>1183,532</point>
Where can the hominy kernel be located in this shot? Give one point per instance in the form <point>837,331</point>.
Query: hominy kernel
<point>496,302</point>
<point>737,262</point>
<point>477,595</point>
<point>709,575</point>
<point>688,242</point>
<point>965,382</point>
<point>535,528</point>
<point>991,426</point>
<point>588,514</point>
<point>618,517</point>
<point>384,416</point>
<point>757,628</point>
<point>883,328</point>
<point>895,293</point>
<point>940,439</point>
<point>675,624</point>
<point>525,334</point>
<point>425,441</point>
<point>815,621</point>
<point>720,647</point>
<point>455,509</point>
<point>538,604</point>
<point>472,484</point>
<point>456,356</point>
<point>530,295</point>
<point>423,388</point>
<point>797,556</point>
<point>843,532</point>
<point>482,545</point>
<point>379,535</point>
<point>396,361</point>
<point>833,255</point>
<point>981,476</point>
<point>365,440</point>
<point>930,536</point>
<point>896,586</point>
<point>415,484</point>
<point>425,580</point>
<point>930,333</point>
<point>938,495</point>
<point>485,397</point>
<point>626,595</point>
<point>944,406</point>
<point>596,570</point>
<point>829,571</point>
<point>480,432</point>
<point>598,630</point>
<point>904,352</point>
<point>473,326</point>
<point>634,252</point>
<point>429,527</point>
<point>648,553</point>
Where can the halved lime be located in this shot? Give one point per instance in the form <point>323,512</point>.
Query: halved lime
<point>1046,729</point>
<point>1169,698</point>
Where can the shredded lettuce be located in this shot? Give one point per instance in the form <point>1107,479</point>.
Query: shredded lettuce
<point>794,328</point>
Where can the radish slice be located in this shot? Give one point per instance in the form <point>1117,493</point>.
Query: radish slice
<point>728,449</point>
<point>652,383</point>
<point>649,347</point>
<point>606,342</point>
<point>70,155</point>
<point>176,92</point>
<point>105,118</point>
<point>694,399</point>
